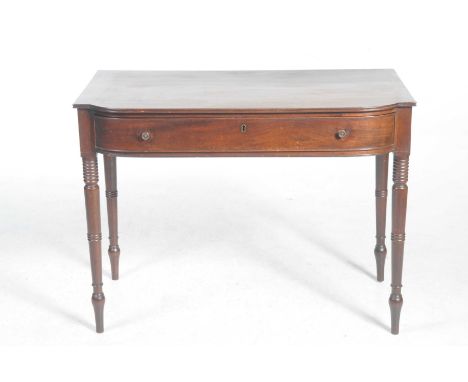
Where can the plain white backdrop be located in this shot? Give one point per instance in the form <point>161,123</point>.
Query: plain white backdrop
<point>230,268</point>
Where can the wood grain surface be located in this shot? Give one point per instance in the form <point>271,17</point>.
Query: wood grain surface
<point>243,134</point>
<point>244,91</point>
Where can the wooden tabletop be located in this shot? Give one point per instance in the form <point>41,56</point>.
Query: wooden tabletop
<point>244,91</point>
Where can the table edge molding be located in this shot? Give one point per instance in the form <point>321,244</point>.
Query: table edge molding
<point>112,111</point>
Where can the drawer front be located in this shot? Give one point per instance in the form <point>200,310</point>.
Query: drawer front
<point>243,135</point>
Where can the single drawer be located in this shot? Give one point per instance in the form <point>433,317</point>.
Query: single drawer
<point>238,134</point>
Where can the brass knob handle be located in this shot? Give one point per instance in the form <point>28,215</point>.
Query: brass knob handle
<point>342,134</point>
<point>145,136</point>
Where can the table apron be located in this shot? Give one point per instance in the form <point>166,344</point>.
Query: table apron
<point>246,135</point>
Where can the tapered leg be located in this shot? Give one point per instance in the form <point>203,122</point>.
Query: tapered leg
<point>110,168</point>
<point>399,197</point>
<point>381,176</point>
<point>91,191</point>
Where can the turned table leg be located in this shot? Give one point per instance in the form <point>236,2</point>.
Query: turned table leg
<point>381,176</point>
<point>91,191</point>
<point>399,197</point>
<point>110,169</point>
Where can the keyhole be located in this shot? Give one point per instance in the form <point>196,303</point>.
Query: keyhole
<point>243,128</point>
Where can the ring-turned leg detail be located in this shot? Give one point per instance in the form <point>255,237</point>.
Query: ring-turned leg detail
<point>91,191</point>
<point>381,179</point>
<point>110,169</point>
<point>399,199</point>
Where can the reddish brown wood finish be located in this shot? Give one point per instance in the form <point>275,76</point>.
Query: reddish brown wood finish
<point>237,92</point>
<point>110,169</point>
<point>238,134</point>
<point>381,176</point>
<point>93,217</point>
<point>304,113</point>
<point>399,200</point>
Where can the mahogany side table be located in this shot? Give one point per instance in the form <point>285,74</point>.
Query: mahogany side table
<point>246,113</point>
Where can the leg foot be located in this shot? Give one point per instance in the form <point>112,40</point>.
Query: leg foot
<point>380,253</point>
<point>98,301</point>
<point>114,254</point>
<point>395,302</point>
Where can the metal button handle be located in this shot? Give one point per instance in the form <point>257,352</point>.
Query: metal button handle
<point>342,134</point>
<point>145,136</point>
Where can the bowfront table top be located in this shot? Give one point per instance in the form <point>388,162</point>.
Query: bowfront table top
<point>244,91</point>
<point>246,113</point>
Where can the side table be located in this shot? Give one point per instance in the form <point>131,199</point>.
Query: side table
<point>246,113</point>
